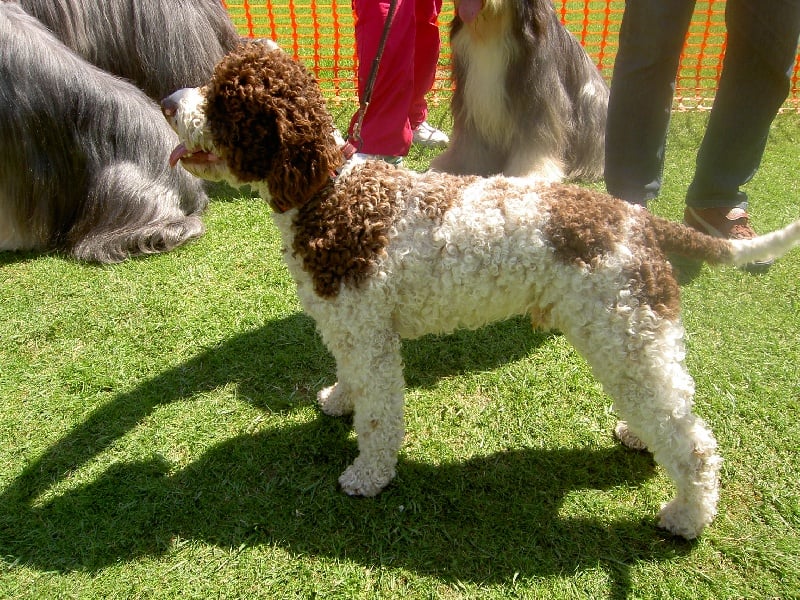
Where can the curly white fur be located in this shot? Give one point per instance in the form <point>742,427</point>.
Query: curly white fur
<point>485,262</point>
<point>461,252</point>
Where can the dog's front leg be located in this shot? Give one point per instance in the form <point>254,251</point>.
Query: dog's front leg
<point>370,372</point>
<point>534,163</point>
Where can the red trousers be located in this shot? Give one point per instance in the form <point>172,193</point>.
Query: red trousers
<point>405,74</point>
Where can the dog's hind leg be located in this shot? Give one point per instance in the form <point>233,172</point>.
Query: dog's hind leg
<point>652,391</point>
<point>370,383</point>
<point>336,400</point>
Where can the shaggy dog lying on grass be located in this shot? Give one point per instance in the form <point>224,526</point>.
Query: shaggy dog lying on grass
<point>82,156</point>
<point>380,254</point>
<point>160,45</point>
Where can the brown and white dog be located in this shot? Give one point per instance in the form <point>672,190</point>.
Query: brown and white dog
<point>528,101</point>
<point>380,254</point>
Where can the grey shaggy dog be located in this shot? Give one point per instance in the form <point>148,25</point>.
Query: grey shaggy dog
<point>83,156</point>
<point>160,45</point>
<point>528,100</point>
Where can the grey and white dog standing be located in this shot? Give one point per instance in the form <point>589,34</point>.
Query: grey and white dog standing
<point>83,155</point>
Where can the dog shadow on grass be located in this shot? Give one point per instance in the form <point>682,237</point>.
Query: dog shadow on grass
<point>521,512</point>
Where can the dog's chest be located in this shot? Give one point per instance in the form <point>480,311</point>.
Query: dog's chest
<point>484,60</point>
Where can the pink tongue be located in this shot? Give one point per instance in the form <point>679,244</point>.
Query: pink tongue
<point>179,152</point>
<point>468,10</point>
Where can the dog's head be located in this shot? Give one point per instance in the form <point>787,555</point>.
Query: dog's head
<point>260,120</point>
<point>529,17</point>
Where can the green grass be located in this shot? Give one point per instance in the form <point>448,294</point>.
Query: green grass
<point>159,436</point>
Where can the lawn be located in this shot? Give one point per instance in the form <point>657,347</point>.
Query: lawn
<point>159,436</point>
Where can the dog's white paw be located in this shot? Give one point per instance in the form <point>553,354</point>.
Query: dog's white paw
<point>334,401</point>
<point>362,480</point>
<point>685,519</point>
<point>624,435</point>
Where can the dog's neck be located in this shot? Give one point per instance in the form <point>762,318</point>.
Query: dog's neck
<point>283,204</point>
<point>288,200</point>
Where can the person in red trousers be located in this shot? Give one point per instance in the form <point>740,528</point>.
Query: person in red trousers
<point>397,110</point>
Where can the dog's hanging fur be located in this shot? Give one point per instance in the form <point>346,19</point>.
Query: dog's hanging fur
<point>527,99</point>
<point>160,45</point>
<point>382,254</point>
<point>82,155</point>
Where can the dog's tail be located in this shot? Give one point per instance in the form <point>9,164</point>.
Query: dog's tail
<point>677,238</point>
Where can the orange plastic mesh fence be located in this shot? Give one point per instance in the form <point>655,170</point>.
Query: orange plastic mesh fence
<point>320,33</point>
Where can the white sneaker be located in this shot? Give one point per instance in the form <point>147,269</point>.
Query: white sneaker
<point>426,134</point>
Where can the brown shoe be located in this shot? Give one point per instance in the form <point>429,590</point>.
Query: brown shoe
<point>724,222</point>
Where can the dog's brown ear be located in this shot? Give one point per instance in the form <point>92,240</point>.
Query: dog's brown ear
<point>269,121</point>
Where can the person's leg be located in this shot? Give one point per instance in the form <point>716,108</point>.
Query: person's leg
<point>642,87</point>
<point>385,128</point>
<point>755,81</point>
<point>426,57</point>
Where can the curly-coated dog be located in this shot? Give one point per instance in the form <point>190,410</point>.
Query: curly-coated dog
<point>82,156</point>
<point>527,98</point>
<point>380,254</point>
<point>160,45</point>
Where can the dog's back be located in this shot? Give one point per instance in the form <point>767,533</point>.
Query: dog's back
<point>83,155</point>
<point>161,45</point>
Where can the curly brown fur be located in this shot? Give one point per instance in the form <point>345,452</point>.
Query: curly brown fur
<point>341,231</point>
<point>266,110</point>
<point>436,194</point>
<point>586,226</point>
<point>674,238</point>
<point>160,45</point>
<point>583,225</point>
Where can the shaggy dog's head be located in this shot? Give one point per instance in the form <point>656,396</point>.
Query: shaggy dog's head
<point>261,120</point>
<point>531,16</point>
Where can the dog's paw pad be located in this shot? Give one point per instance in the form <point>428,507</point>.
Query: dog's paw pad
<point>334,402</point>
